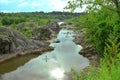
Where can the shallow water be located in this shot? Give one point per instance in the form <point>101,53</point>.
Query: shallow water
<point>14,63</point>
<point>54,65</point>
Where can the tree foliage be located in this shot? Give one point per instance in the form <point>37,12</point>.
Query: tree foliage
<point>102,25</point>
<point>102,17</point>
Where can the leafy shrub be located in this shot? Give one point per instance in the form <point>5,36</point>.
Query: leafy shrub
<point>27,32</point>
<point>7,21</point>
<point>109,65</point>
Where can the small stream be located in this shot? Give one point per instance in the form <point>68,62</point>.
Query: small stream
<point>53,65</point>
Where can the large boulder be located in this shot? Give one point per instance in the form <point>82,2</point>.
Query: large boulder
<point>22,26</point>
<point>12,41</point>
<point>41,33</point>
<point>54,26</point>
<point>46,32</point>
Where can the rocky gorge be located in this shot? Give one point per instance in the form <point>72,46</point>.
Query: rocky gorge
<point>13,43</point>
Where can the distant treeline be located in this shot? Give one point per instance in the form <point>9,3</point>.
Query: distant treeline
<point>15,18</point>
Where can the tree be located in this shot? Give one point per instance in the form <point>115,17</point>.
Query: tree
<point>113,5</point>
<point>103,16</point>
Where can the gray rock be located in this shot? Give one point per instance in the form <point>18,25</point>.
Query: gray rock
<point>46,32</point>
<point>14,42</point>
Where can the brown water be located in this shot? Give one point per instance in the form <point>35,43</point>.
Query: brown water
<point>54,65</point>
<point>14,63</point>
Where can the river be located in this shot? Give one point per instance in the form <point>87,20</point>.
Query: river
<point>53,65</point>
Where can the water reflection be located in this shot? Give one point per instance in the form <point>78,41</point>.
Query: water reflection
<point>57,73</point>
<point>58,65</point>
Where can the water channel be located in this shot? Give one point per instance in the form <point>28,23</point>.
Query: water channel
<point>53,65</point>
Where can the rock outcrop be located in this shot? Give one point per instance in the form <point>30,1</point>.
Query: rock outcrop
<point>46,32</point>
<point>87,49</point>
<point>14,42</point>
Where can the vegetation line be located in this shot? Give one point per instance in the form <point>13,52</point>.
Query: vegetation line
<point>101,24</point>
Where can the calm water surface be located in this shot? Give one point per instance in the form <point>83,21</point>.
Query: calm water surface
<point>14,63</point>
<point>54,65</point>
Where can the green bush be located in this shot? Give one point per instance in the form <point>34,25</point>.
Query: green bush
<point>109,65</point>
<point>27,32</point>
<point>7,21</point>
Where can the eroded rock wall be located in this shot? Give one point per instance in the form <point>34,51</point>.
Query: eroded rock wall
<point>12,41</point>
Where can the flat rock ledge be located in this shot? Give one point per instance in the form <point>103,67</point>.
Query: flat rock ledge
<point>38,51</point>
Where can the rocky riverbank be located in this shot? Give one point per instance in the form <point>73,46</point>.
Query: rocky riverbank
<point>13,43</point>
<point>87,50</point>
<point>13,55</point>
